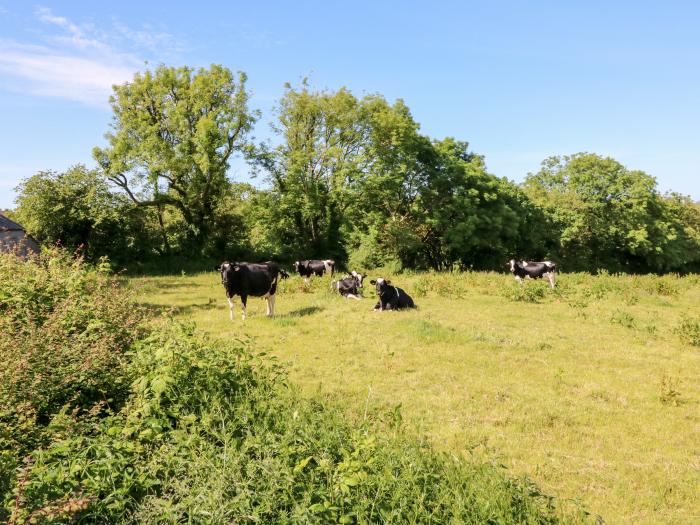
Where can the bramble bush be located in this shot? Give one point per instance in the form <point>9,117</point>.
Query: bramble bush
<point>66,331</point>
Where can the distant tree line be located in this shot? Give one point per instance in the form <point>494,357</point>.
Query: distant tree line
<point>346,177</point>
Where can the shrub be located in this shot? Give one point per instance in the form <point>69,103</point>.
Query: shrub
<point>66,330</point>
<point>688,330</point>
<point>213,434</point>
<point>527,292</point>
<point>623,319</point>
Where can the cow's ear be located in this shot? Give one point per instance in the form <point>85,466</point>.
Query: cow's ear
<point>217,268</point>
<point>373,282</point>
<point>387,282</point>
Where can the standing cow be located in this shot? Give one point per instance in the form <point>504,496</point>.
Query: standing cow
<point>244,279</point>
<point>391,297</point>
<point>533,270</point>
<point>307,268</point>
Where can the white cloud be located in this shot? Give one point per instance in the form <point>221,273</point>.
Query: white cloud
<point>79,62</point>
<point>48,72</point>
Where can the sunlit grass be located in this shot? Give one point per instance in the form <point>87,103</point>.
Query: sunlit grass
<point>589,389</point>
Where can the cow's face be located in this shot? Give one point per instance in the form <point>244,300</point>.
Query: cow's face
<point>381,285</point>
<point>228,271</point>
<point>511,264</point>
<point>296,266</point>
<point>359,278</point>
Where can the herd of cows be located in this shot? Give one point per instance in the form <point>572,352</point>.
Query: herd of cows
<point>260,280</point>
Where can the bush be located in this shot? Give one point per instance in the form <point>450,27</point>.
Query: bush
<point>526,292</point>
<point>66,330</point>
<point>688,330</point>
<point>212,434</point>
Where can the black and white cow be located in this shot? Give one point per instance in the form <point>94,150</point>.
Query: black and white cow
<point>244,279</point>
<point>308,268</point>
<point>349,287</point>
<point>532,270</point>
<point>391,297</point>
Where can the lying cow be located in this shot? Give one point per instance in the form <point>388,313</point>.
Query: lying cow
<point>308,268</point>
<point>244,279</point>
<point>349,287</point>
<point>532,270</point>
<point>391,297</point>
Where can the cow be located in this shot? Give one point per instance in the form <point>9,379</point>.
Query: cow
<point>391,297</point>
<point>349,287</point>
<point>532,270</point>
<point>308,268</point>
<point>244,279</point>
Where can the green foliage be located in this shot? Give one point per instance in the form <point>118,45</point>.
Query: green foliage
<point>688,330</point>
<point>606,216</point>
<point>211,434</point>
<point>175,130</point>
<point>76,210</point>
<point>67,329</point>
<point>529,292</point>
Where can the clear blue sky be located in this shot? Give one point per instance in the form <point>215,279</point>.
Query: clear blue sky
<point>519,80</point>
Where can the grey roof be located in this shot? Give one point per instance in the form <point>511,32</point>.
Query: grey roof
<point>8,225</point>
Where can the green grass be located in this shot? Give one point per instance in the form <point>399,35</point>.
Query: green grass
<point>591,390</point>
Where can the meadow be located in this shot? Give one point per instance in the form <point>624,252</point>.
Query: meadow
<point>591,389</point>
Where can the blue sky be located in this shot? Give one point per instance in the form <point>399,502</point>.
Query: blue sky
<point>519,80</point>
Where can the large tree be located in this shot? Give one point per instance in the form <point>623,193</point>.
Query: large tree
<point>174,132</point>
<point>607,216</point>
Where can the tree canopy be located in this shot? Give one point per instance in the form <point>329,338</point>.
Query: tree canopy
<point>174,131</point>
<point>347,177</point>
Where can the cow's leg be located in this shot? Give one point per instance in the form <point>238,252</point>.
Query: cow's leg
<point>550,278</point>
<point>519,279</point>
<point>353,296</point>
<point>244,300</point>
<point>271,305</point>
<point>230,307</point>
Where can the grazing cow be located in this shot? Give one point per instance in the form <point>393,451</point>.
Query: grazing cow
<point>391,297</point>
<point>308,268</point>
<point>349,287</point>
<point>532,270</point>
<point>244,279</point>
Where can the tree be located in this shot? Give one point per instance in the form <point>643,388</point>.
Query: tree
<point>174,133</point>
<point>607,216</point>
<point>323,135</point>
<point>76,209</point>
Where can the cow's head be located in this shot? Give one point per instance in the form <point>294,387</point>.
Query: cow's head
<point>228,270</point>
<point>382,285</point>
<point>296,266</point>
<point>511,265</point>
<point>359,277</point>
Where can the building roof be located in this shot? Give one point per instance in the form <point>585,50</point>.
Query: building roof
<point>8,225</point>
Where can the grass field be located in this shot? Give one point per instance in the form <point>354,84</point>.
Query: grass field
<point>591,390</point>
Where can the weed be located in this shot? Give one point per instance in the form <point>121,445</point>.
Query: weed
<point>669,394</point>
<point>688,330</point>
<point>623,319</point>
<point>527,292</point>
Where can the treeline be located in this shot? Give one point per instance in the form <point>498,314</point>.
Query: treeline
<point>346,177</point>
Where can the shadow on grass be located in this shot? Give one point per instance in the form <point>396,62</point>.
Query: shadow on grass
<point>178,309</point>
<point>302,312</point>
